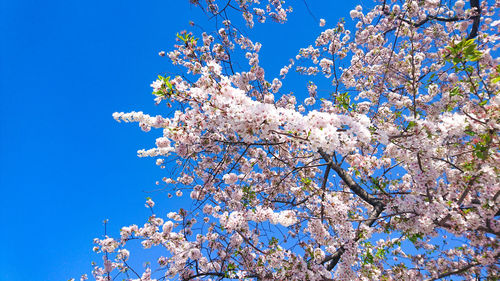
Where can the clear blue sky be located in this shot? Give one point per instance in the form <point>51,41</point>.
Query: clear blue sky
<point>66,165</point>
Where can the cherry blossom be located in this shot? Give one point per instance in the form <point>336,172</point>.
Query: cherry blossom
<point>390,173</point>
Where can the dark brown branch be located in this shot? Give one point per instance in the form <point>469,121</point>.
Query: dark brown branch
<point>378,207</point>
<point>323,189</point>
<point>458,271</point>
<point>218,274</point>
<point>475,6</point>
<point>349,181</point>
<point>477,18</point>
<point>335,258</point>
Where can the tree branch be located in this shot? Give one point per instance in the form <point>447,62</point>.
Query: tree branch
<point>475,5</point>
<point>458,271</point>
<point>378,206</point>
<point>349,181</point>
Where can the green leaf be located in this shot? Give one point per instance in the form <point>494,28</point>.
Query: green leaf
<point>414,237</point>
<point>455,92</point>
<point>411,124</point>
<point>368,258</point>
<point>380,253</point>
<point>470,133</point>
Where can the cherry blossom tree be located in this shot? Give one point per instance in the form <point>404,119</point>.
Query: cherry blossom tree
<point>392,173</point>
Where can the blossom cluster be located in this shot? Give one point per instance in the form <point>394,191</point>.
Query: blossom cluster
<point>401,154</point>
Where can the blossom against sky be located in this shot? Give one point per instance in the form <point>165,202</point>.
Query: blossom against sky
<point>66,165</point>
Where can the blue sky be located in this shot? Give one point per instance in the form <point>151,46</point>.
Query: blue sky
<point>66,165</point>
